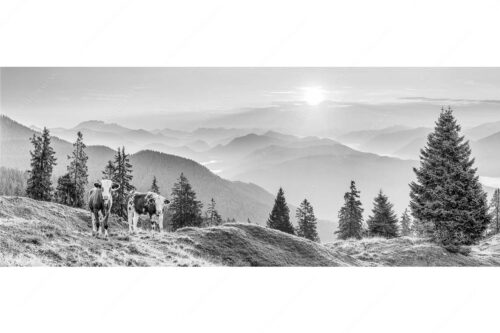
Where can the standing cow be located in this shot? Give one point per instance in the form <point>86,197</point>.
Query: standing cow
<point>150,203</point>
<point>101,200</point>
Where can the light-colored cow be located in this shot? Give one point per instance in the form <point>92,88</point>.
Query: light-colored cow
<point>149,203</point>
<point>101,200</point>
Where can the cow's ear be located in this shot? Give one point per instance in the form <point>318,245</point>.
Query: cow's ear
<point>115,186</point>
<point>166,201</point>
<point>98,185</point>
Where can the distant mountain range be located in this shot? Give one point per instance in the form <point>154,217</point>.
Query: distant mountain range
<point>234,199</point>
<point>332,119</point>
<point>311,167</point>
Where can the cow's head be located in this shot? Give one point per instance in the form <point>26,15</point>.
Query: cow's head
<point>157,201</point>
<point>107,187</point>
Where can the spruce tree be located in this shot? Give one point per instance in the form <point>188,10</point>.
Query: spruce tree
<point>351,215</point>
<point>212,215</point>
<point>383,222</point>
<point>279,218</point>
<point>65,190</point>
<point>123,176</point>
<point>109,170</point>
<point>406,224</point>
<point>184,208</point>
<point>307,221</point>
<point>154,186</point>
<point>39,184</point>
<point>78,172</point>
<point>447,196</point>
<point>495,211</point>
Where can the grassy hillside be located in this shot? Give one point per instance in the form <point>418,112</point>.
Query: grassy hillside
<point>34,233</point>
<point>406,251</point>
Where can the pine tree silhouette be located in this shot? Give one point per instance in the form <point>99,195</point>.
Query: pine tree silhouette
<point>39,184</point>
<point>212,215</point>
<point>351,215</point>
<point>307,221</point>
<point>154,186</point>
<point>185,209</point>
<point>447,196</point>
<point>383,222</point>
<point>279,218</point>
<point>123,176</point>
<point>78,172</point>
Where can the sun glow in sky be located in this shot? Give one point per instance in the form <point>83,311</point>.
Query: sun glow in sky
<point>314,95</point>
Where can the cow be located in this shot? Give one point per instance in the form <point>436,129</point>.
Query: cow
<point>149,203</point>
<point>101,200</point>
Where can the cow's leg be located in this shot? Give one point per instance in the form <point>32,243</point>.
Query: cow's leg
<point>160,222</point>
<point>97,223</point>
<point>94,230</point>
<point>152,222</point>
<point>105,225</point>
<point>135,220</point>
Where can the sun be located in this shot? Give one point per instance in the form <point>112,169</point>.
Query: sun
<point>314,95</point>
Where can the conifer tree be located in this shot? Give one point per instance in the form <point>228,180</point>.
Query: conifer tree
<point>447,196</point>
<point>184,208</point>
<point>383,222</point>
<point>406,223</point>
<point>279,218</point>
<point>212,215</point>
<point>495,211</point>
<point>351,215</point>
<point>122,176</point>
<point>109,170</point>
<point>39,184</point>
<point>307,221</point>
<point>154,186</point>
<point>65,190</point>
<point>78,172</point>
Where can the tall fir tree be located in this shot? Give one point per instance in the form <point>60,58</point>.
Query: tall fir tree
<point>39,184</point>
<point>154,186</point>
<point>213,217</point>
<point>78,172</point>
<point>447,196</point>
<point>383,222</point>
<point>307,221</point>
<point>406,223</point>
<point>495,211</point>
<point>279,218</point>
<point>123,176</point>
<point>184,208</point>
<point>109,170</point>
<point>351,215</point>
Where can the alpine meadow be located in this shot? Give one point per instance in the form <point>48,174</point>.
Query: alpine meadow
<point>250,167</point>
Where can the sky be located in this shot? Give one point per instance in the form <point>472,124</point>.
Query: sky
<point>63,97</point>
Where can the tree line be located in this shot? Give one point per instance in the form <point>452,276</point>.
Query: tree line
<point>447,201</point>
<point>185,210</point>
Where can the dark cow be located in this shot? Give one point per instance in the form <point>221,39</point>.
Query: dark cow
<point>150,203</point>
<point>101,200</point>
